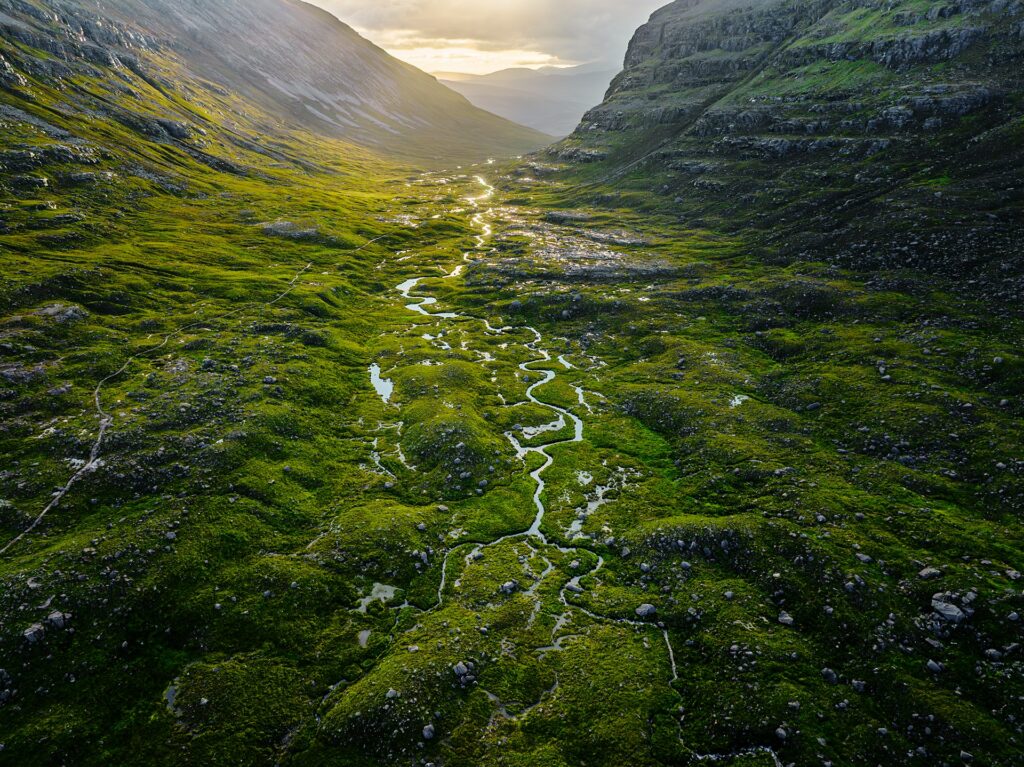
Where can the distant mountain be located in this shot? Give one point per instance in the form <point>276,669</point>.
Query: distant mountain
<point>294,60</point>
<point>551,99</point>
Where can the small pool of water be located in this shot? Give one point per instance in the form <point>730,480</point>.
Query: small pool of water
<point>385,387</point>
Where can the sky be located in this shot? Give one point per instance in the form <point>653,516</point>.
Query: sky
<point>481,36</point>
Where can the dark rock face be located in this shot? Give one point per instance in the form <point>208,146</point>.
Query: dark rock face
<point>857,130</point>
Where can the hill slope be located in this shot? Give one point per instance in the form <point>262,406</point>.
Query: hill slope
<point>299,63</point>
<point>852,129</point>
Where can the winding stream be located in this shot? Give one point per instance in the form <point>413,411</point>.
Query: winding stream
<point>418,304</point>
<point>561,418</point>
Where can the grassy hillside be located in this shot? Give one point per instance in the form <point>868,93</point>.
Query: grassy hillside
<point>294,66</point>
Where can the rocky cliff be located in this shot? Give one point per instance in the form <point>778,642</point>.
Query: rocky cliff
<point>873,133</point>
<point>299,64</point>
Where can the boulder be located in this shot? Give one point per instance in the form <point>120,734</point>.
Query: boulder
<point>947,611</point>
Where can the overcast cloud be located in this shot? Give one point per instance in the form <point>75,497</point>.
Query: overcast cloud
<point>483,35</point>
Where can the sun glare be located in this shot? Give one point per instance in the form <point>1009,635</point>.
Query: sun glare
<point>465,56</point>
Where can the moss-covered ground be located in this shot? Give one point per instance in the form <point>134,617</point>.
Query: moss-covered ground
<point>779,508</point>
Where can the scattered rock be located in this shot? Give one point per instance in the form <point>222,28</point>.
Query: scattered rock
<point>57,619</point>
<point>947,611</point>
<point>63,313</point>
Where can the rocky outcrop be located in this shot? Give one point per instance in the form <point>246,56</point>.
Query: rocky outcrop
<point>9,78</point>
<point>743,113</point>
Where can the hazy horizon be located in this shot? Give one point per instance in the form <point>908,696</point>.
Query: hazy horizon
<point>484,36</point>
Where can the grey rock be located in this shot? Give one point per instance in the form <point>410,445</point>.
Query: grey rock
<point>57,619</point>
<point>948,612</point>
<point>9,77</point>
<point>646,610</point>
<point>290,231</point>
<point>63,313</point>
<point>30,182</point>
<point>89,179</point>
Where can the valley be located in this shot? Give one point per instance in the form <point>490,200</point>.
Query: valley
<point>318,452</point>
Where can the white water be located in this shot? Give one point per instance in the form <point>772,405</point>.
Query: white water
<point>561,418</point>
<point>385,387</point>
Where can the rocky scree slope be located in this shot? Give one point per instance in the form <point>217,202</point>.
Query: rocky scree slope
<point>300,64</point>
<point>877,134</point>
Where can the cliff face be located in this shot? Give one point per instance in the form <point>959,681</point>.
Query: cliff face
<point>296,62</point>
<point>857,128</point>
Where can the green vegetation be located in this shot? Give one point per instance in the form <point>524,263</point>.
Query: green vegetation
<point>631,489</point>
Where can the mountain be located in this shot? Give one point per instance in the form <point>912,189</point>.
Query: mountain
<point>549,99</point>
<point>297,62</point>
<point>850,129</point>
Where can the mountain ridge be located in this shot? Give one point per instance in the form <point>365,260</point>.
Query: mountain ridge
<point>551,99</point>
<point>297,61</point>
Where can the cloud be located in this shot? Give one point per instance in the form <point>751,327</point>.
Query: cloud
<point>534,31</point>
